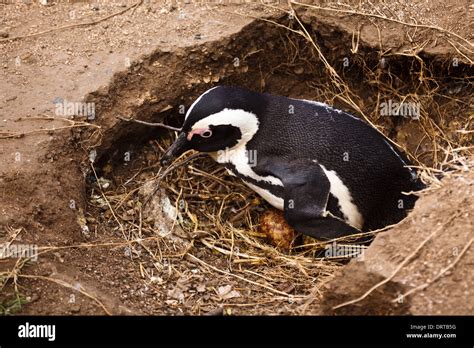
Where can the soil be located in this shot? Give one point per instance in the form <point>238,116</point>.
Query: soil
<point>449,210</point>
<point>146,63</point>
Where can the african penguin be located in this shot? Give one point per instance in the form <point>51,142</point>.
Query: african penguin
<point>330,172</point>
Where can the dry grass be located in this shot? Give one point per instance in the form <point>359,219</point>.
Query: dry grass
<point>217,233</point>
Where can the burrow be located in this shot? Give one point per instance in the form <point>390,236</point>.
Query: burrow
<point>264,57</point>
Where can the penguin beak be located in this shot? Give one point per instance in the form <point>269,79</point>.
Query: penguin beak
<point>180,146</point>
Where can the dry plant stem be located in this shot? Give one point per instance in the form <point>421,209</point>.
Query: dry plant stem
<point>46,249</point>
<point>169,170</point>
<point>336,79</point>
<point>138,3</point>
<point>162,125</point>
<point>346,95</point>
<point>228,252</point>
<point>399,267</point>
<point>194,258</point>
<point>253,304</point>
<point>13,274</point>
<point>461,53</point>
<point>9,135</point>
<point>15,233</point>
<point>439,275</point>
<point>415,25</point>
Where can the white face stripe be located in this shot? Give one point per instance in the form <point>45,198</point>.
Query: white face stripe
<point>343,195</point>
<point>247,122</point>
<point>197,101</point>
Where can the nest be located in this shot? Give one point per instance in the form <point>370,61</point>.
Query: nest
<point>213,244</point>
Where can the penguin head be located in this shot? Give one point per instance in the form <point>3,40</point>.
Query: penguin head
<point>221,118</point>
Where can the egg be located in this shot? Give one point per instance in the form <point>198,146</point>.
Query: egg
<point>277,231</point>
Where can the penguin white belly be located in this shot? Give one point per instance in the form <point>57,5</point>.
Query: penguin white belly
<point>350,211</point>
<point>239,158</point>
<point>275,201</point>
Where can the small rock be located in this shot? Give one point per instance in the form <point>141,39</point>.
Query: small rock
<point>176,293</point>
<point>33,298</point>
<point>155,279</point>
<point>171,303</point>
<point>4,33</point>
<point>299,70</point>
<point>226,292</point>
<point>95,7</point>
<point>46,272</point>
<point>75,308</point>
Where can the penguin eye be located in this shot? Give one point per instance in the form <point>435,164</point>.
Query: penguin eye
<point>206,133</point>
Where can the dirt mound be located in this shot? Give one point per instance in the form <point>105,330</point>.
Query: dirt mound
<point>425,262</point>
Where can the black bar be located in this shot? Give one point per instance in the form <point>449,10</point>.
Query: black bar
<point>244,331</point>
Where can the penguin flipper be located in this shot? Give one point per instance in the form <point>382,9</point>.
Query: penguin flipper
<point>306,194</point>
